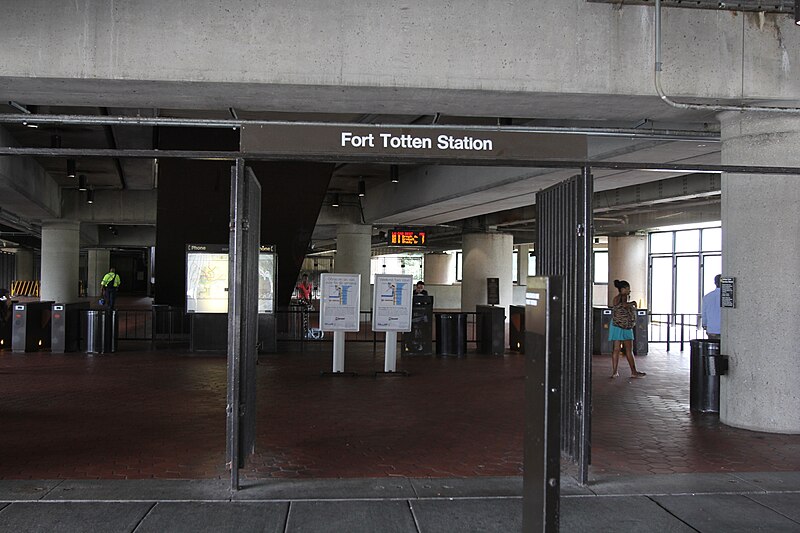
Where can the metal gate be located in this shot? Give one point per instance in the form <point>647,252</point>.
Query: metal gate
<point>245,241</point>
<point>563,249</point>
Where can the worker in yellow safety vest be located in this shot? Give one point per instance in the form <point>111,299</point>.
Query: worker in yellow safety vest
<point>109,287</point>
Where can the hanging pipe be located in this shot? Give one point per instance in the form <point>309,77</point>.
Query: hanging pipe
<point>701,107</point>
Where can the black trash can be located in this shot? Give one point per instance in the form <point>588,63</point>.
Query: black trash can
<point>451,333</point>
<point>705,367</point>
<point>101,331</point>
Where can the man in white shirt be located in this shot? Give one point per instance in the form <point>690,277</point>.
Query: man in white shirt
<point>711,311</point>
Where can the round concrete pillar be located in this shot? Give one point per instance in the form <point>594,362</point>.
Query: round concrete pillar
<point>440,269</point>
<point>486,255</point>
<point>523,255</point>
<point>353,254</point>
<point>23,265</point>
<point>627,259</point>
<point>759,248</point>
<point>98,265</point>
<point>60,256</point>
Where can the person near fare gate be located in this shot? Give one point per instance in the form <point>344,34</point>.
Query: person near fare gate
<point>620,331</point>
<point>109,287</point>
<point>5,314</point>
<point>419,289</point>
<point>304,290</point>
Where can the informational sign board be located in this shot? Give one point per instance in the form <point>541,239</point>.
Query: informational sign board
<point>391,302</point>
<point>207,278</point>
<point>397,143</point>
<point>727,292</point>
<point>340,302</point>
<point>493,291</point>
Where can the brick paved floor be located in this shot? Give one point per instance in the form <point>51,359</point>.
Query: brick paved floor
<point>141,414</point>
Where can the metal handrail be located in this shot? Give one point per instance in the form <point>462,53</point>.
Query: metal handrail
<point>671,328</point>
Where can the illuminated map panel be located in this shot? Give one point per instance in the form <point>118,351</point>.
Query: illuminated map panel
<point>207,279</point>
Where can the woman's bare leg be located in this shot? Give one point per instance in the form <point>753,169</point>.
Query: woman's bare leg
<point>615,359</point>
<point>631,361</point>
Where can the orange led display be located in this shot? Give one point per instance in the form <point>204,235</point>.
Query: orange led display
<point>406,238</point>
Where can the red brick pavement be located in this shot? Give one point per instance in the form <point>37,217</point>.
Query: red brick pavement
<point>139,414</point>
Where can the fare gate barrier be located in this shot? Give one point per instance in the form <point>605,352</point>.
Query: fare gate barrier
<point>451,334</point>
<point>601,322</point>
<point>516,328</point>
<point>419,341</point>
<point>491,328</point>
<point>30,327</point>
<point>5,329</point>
<point>67,326</point>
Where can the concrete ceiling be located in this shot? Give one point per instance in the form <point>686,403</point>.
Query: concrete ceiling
<point>490,190</point>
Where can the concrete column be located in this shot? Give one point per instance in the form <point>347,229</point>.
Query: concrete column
<point>627,259</point>
<point>99,263</point>
<point>353,253</point>
<point>522,263</point>
<point>440,269</point>
<point>760,249</point>
<point>60,256</point>
<point>23,265</point>
<point>486,255</point>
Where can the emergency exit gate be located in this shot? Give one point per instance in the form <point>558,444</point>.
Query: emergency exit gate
<point>563,248</point>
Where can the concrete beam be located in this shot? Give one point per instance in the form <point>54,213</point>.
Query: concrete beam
<point>126,236</point>
<point>111,207</point>
<point>25,188</point>
<point>164,52</point>
<point>689,187</point>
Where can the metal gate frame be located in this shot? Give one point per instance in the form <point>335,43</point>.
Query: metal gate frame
<point>563,248</point>
<point>245,244</point>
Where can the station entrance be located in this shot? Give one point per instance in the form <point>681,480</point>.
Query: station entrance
<point>571,195</point>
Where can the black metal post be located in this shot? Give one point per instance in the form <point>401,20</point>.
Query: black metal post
<point>541,474</point>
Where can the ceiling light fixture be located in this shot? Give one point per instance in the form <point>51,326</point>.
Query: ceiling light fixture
<point>90,196</point>
<point>394,171</point>
<point>335,200</point>
<point>82,182</point>
<point>362,188</point>
<point>70,168</point>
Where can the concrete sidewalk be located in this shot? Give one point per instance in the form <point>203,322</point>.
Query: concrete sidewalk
<point>676,502</point>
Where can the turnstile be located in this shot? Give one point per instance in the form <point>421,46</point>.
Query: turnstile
<point>67,326</point>
<point>419,341</point>
<point>30,327</point>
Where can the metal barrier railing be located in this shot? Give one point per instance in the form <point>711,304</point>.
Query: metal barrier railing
<point>295,323</point>
<point>675,328</point>
<point>162,323</point>
<point>169,324</point>
<point>135,324</point>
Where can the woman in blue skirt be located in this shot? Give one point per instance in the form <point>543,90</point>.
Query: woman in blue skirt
<point>620,330</point>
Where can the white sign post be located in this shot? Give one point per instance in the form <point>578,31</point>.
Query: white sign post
<point>391,312</point>
<point>339,310</point>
